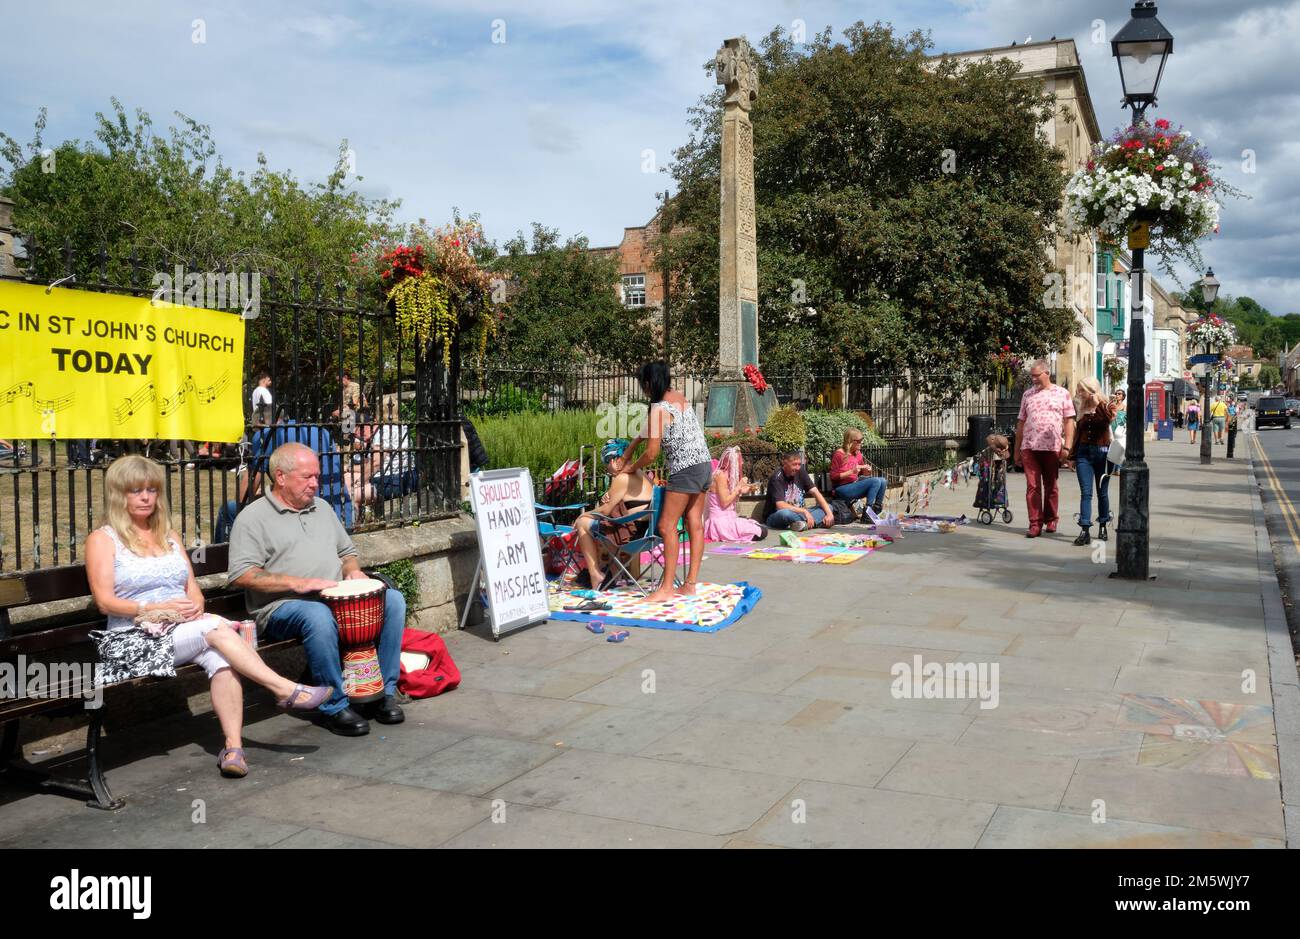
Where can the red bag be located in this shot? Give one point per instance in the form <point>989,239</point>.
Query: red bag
<point>439,675</point>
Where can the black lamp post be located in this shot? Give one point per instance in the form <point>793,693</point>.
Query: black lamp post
<point>1141,49</point>
<point>1209,290</point>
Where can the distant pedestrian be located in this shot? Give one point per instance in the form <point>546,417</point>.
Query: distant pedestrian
<point>1193,420</point>
<point>1089,453</point>
<point>1218,417</point>
<point>1044,436</point>
<point>261,400</point>
<point>1233,411</point>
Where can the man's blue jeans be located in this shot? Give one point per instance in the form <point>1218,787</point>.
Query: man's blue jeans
<point>312,622</point>
<point>783,518</point>
<point>1090,466</point>
<point>872,488</point>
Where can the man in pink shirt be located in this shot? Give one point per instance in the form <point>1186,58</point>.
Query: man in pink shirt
<point>1044,434</point>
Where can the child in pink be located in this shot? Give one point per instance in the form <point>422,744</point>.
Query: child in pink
<point>721,523</point>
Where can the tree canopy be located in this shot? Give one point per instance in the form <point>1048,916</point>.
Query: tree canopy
<point>905,205</point>
<point>562,302</point>
<point>173,200</point>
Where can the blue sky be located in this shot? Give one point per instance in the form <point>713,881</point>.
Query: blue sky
<point>551,124</point>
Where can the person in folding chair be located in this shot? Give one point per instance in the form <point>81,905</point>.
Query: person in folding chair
<point>672,425</point>
<point>629,492</point>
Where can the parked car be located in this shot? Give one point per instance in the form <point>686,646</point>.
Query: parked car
<point>1272,410</point>
<point>1292,406</point>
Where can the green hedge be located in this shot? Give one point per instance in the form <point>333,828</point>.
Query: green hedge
<point>541,442</point>
<point>825,434</point>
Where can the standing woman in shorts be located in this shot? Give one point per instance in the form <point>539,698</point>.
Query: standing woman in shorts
<point>673,426</point>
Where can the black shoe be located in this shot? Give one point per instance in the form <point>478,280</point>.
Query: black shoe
<point>1101,533</point>
<point>1084,537</point>
<point>608,581</point>
<point>346,723</point>
<point>763,532</point>
<point>878,508</point>
<point>388,711</point>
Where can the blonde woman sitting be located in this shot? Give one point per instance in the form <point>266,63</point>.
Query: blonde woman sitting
<point>141,579</point>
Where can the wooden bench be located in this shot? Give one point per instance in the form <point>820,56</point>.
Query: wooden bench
<point>69,641</point>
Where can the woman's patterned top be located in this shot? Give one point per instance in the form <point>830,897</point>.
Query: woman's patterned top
<point>683,439</point>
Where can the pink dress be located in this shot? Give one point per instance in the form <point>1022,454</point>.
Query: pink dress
<point>725,525</point>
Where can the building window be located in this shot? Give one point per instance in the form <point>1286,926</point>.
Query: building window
<point>634,290</point>
<point>1104,276</point>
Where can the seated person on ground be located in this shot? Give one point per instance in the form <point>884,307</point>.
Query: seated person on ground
<point>141,579</point>
<point>853,478</point>
<point>628,493</point>
<point>789,486</point>
<point>721,523</point>
<point>387,468</point>
<point>287,547</point>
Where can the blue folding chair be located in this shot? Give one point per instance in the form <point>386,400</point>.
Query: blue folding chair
<point>650,542</point>
<point>548,528</point>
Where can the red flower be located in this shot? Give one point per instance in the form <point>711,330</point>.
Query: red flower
<point>1160,167</point>
<point>1162,124</point>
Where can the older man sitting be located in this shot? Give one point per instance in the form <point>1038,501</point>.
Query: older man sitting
<point>287,547</point>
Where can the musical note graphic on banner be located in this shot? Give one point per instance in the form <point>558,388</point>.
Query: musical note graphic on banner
<point>213,391</point>
<point>21,390</point>
<point>62,402</point>
<point>172,402</point>
<point>129,406</point>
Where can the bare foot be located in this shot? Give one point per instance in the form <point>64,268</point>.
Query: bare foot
<point>686,590</point>
<point>662,595</point>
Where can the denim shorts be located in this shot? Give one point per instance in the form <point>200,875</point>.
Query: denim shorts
<point>693,479</point>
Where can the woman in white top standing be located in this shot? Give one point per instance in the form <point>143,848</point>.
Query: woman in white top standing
<point>673,425</point>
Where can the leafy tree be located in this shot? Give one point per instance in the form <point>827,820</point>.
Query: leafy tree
<point>174,201</point>
<point>869,252</point>
<point>562,304</point>
<point>1269,377</point>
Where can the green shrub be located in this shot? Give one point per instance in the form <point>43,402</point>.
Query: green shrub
<point>507,399</point>
<point>402,574</point>
<point>825,434</point>
<point>785,429</point>
<point>541,442</point>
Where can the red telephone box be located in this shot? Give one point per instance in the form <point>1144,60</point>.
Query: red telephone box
<point>1156,407</point>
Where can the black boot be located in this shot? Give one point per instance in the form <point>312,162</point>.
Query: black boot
<point>1101,532</point>
<point>1084,537</point>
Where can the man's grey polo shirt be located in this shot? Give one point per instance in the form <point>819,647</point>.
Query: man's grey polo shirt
<point>309,542</point>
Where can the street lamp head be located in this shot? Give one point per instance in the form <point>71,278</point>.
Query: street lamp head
<point>1209,287</point>
<point>1141,48</point>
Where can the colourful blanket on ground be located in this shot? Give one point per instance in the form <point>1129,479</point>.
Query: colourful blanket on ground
<point>713,607</point>
<point>815,548</point>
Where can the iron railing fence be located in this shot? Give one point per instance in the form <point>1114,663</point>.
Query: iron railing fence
<point>391,461</point>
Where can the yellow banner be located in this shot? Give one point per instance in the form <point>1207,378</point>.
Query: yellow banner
<point>77,364</point>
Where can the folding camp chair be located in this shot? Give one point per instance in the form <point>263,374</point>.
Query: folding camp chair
<point>650,542</point>
<point>562,539</point>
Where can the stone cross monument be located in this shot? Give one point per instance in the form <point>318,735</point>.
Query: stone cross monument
<point>732,402</point>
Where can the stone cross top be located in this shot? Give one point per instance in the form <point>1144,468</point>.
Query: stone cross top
<point>738,289</point>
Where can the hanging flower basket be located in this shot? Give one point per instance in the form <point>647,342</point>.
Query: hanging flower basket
<point>1153,174</point>
<point>1006,366</point>
<point>1213,332</point>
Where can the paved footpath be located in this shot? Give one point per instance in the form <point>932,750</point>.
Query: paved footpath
<point>1126,715</point>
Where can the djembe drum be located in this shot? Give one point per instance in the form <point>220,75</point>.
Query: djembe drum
<point>358,608</point>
